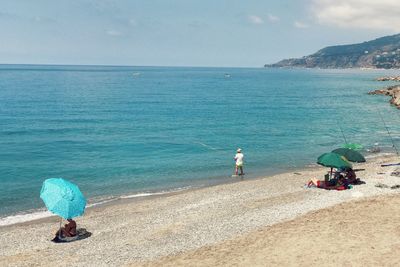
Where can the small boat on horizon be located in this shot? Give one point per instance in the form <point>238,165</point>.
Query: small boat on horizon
<point>227,75</point>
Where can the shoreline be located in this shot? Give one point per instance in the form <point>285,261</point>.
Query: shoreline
<point>147,179</point>
<point>135,232</point>
<point>41,214</point>
<point>23,217</point>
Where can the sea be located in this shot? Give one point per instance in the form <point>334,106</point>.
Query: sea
<point>125,132</point>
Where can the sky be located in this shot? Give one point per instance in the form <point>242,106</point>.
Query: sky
<point>217,33</point>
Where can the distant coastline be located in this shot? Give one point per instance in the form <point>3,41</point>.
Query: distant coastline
<point>381,53</point>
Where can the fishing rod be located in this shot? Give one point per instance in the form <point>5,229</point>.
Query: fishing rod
<point>341,130</point>
<point>387,129</point>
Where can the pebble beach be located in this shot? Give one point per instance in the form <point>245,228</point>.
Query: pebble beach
<point>163,229</point>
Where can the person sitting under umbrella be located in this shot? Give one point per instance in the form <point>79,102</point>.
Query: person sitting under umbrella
<point>339,184</point>
<point>321,183</point>
<point>351,177</point>
<point>69,229</point>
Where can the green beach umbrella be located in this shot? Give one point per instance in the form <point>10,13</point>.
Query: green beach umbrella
<point>350,154</point>
<point>333,160</point>
<point>353,146</point>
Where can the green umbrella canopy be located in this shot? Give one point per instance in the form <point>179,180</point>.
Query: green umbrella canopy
<point>350,154</point>
<point>353,146</point>
<point>333,160</point>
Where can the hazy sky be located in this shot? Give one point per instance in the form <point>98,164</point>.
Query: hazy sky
<point>185,32</point>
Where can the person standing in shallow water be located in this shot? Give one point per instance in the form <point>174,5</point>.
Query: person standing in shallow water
<point>239,162</point>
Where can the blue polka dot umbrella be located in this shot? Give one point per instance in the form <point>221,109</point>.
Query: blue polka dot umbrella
<point>63,198</point>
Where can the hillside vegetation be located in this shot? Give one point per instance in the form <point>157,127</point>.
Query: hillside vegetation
<point>380,53</point>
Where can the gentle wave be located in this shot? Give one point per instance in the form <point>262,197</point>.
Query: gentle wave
<point>40,214</point>
<point>155,193</point>
<point>113,134</point>
<point>377,155</point>
<point>21,218</point>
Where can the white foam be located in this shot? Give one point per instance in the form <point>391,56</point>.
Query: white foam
<point>141,195</point>
<point>35,215</point>
<point>40,214</point>
<point>20,218</point>
<point>153,194</point>
<point>378,155</point>
<point>100,202</point>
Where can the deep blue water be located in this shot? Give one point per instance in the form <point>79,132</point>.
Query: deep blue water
<point>113,132</point>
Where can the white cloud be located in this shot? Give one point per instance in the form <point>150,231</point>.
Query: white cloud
<point>113,33</point>
<point>273,18</point>
<point>300,25</point>
<point>255,19</point>
<point>368,14</point>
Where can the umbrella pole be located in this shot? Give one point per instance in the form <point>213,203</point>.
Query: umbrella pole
<point>330,176</point>
<point>59,231</point>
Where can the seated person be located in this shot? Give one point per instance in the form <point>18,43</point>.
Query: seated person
<point>69,230</point>
<point>339,184</point>
<point>338,172</point>
<point>322,184</point>
<point>315,183</point>
<point>342,183</point>
<point>351,176</point>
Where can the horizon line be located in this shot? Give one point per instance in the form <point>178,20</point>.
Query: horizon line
<point>113,65</point>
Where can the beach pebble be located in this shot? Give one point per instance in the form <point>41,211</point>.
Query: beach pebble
<point>140,230</point>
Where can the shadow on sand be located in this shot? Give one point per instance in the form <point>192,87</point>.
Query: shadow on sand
<point>81,234</point>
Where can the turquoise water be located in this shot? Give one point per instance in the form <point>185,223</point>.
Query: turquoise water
<point>114,132</point>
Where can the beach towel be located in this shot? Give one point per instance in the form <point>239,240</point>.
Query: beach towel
<point>81,234</point>
<point>342,187</point>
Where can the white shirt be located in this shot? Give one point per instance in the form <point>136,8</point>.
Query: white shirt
<point>239,158</point>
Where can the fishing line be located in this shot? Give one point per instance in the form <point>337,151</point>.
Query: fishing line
<point>207,146</point>
<point>387,129</point>
<point>341,130</point>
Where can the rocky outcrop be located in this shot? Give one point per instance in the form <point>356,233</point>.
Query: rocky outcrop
<point>393,91</point>
<point>388,78</point>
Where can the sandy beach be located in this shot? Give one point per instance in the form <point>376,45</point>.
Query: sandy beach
<point>200,133</point>
<point>359,233</point>
<point>273,221</point>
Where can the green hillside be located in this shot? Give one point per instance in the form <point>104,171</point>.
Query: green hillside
<point>383,52</point>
